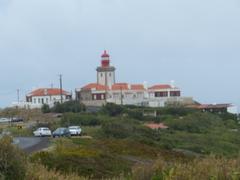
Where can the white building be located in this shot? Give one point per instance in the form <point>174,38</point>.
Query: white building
<point>38,97</point>
<point>106,90</point>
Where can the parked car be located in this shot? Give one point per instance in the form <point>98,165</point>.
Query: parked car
<point>5,120</point>
<point>75,130</point>
<point>42,131</point>
<point>17,119</point>
<point>61,132</point>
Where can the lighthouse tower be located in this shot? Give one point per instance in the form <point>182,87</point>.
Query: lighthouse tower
<point>106,72</point>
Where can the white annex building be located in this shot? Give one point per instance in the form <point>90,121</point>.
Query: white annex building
<point>107,90</point>
<point>38,97</point>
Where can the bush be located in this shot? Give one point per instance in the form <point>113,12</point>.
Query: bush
<point>135,114</point>
<point>69,119</point>
<point>175,111</point>
<point>69,158</point>
<point>69,106</point>
<point>195,122</point>
<point>112,109</point>
<point>127,128</point>
<point>45,109</point>
<point>117,129</point>
<point>12,161</point>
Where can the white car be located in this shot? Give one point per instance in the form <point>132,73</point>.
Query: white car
<point>5,120</point>
<point>75,130</point>
<point>42,131</point>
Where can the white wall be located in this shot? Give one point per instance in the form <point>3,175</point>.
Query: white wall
<point>37,101</point>
<point>106,77</point>
<point>129,97</point>
<point>50,100</point>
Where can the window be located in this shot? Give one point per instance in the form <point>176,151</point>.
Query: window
<point>116,95</point>
<point>161,94</point>
<point>34,101</point>
<point>101,74</point>
<point>39,100</point>
<point>47,100</point>
<point>110,74</point>
<point>175,93</point>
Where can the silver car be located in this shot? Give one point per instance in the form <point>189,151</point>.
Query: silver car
<point>42,131</point>
<point>75,130</point>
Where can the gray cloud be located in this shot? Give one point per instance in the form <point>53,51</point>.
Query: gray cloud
<point>196,43</point>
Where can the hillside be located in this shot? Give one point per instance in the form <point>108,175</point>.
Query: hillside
<point>121,146</point>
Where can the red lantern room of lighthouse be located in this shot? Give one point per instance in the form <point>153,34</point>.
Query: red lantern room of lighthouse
<point>106,72</point>
<point>105,59</point>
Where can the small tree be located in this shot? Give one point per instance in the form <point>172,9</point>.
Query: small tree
<point>69,106</point>
<point>46,108</point>
<point>12,161</point>
<point>112,109</point>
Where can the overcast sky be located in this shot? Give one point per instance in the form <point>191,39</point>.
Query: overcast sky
<point>194,42</point>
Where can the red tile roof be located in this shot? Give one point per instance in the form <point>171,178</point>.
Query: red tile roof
<point>48,92</point>
<point>160,86</point>
<point>97,87</point>
<point>137,87</point>
<point>120,86</point>
<point>156,126</point>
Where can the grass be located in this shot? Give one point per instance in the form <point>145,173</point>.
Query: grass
<point>90,130</point>
<point>81,157</point>
<point>200,168</point>
<point>122,147</point>
<point>19,132</point>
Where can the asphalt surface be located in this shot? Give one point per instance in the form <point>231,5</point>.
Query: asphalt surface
<point>32,144</point>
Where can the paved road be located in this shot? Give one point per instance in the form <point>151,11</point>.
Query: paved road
<point>31,144</point>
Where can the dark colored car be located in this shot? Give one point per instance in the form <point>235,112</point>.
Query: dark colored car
<point>61,132</point>
<point>17,119</point>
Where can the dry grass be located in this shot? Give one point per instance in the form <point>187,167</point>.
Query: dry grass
<point>198,169</point>
<point>39,172</point>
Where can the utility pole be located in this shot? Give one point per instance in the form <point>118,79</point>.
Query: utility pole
<point>61,90</point>
<point>121,96</point>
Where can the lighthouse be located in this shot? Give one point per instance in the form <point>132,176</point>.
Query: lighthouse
<point>106,72</point>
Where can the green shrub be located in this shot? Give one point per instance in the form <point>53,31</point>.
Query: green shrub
<point>70,158</point>
<point>117,129</point>
<point>69,119</point>
<point>175,111</point>
<point>194,123</point>
<point>69,106</point>
<point>12,161</point>
<point>112,109</point>
<point>128,128</point>
<point>45,109</point>
<point>135,114</point>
